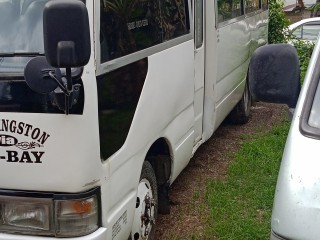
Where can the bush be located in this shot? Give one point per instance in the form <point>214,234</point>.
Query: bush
<point>278,23</point>
<point>304,50</point>
<point>279,33</point>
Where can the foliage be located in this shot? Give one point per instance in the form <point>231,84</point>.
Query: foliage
<point>278,23</point>
<point>241,205</point>
<point>304,49</point>
<point>279,33</point>
<point>122,8</point>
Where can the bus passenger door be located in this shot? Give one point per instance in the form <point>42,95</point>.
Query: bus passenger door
<point>199,55</point>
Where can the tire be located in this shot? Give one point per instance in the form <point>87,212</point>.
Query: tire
<point>241,112</point>
<point>146,212</point>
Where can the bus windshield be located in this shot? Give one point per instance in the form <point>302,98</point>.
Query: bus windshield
<point>20,33</point>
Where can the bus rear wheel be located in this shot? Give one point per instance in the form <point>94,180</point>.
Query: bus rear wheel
<point>241,112</point>
<point>146,206</point>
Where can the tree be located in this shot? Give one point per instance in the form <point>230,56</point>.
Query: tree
<point>278,23</point>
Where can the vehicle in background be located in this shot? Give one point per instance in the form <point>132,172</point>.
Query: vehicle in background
<point>274,77</point>
<point>103,103</point>
<point>307,29</point>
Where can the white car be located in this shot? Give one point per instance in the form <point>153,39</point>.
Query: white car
<point>274,77</point>
<point>307,29</point>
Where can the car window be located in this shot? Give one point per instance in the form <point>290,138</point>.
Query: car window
<point>308,31</point>
<point>310,116</point>
<point>297,32</point>
<point>314,118</point>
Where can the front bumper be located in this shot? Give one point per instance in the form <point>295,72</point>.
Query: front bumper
<point>100,234</point>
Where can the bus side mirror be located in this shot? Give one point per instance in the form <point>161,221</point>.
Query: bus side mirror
<point>274,74</point>
<point>66,33</point>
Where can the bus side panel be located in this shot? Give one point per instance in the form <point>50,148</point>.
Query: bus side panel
<point>231,47</point>
<point>233,52</point>
<point>166,104</point>
<point>165,109</point>
<point>233,67</point>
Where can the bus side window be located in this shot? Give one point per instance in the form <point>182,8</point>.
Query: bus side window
<point>265,4</point>
<point>228,9</point>
<point>251,5</point>
<point>128,28</point>
<point>174,19</point>
<point>198,16</point>
<point>125,29</point>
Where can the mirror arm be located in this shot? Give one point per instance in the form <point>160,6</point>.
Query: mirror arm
<point>69,88</point>
<point>69,79</point>
<point>59,83</point>
<point>65,90</point>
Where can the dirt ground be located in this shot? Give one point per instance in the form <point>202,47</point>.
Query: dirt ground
<point>187,194</point>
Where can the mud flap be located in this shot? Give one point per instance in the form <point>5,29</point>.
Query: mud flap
<point>162,168</point>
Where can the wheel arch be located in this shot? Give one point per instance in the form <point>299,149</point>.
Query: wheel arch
<point>160,157</point>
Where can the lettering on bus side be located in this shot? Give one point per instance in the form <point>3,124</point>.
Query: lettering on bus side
<point>29,153</point>
<point>22,157</point>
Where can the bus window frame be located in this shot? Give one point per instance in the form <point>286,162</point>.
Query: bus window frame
<point>102,68</point>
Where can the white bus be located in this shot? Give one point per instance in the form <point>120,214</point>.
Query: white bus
<point>126,93</point>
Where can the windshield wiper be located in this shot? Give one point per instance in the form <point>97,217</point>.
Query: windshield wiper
<point>21,54</point>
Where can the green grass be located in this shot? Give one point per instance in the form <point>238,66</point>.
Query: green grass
<point>241,204</point>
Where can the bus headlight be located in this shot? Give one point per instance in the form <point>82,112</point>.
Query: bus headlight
<point>26,215</point>
<point>60,215</point>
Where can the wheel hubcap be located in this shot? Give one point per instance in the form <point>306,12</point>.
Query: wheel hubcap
<point>144,214</point>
